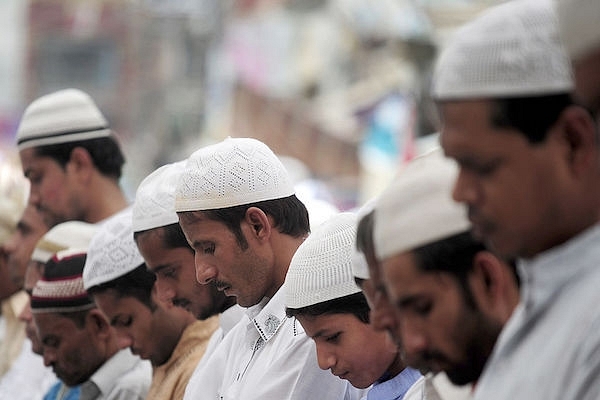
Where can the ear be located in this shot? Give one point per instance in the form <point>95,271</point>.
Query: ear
<point>259,222</point>
<point>578,130</point>
<point>487,282</point>
<point>81,163</point>
<point>96,321</point>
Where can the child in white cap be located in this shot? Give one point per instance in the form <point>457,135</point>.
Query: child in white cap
<point>321,293</point>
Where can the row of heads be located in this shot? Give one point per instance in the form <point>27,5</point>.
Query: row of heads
<point>416,209</point>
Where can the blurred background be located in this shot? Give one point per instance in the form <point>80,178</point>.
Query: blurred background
<point>337,88</point>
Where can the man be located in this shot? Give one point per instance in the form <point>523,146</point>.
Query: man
<point>72,234</point>
<point>529,176</point>
<point>169,337</point>
<point>322,295</point>
<point>169,256</point>
<point>578,21</point>
<point>19,246</point>
<point>452,296</point>
<point>237,208</point>
<point>71,157</point>
<point>78,341</point>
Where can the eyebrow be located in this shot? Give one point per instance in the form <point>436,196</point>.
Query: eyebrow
<point>407,301</point>
<point>159,268</point>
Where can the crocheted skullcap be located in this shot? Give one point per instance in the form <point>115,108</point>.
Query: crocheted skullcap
<point>321,268</point>
<point>112,252</point>
<point>61,117</point>
<point>14,190</point>
<point>61,288</point>
<point>578,21</point>
<point>67,235</point>
<point>230,173</point>
<point>417,208</point>
<point>510,50</point>
<point>154,204</point>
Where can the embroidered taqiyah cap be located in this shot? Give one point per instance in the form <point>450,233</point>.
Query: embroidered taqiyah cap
<point>67,235</point>
<point>65,116</point>
<point>154,204</point>
<point>61,288</point>
<point>321,268</point>
<point>230,173</point>
<point>578,22</point>
<point>417,207</point>
<point>112,252</point>
<point>14,190</point>
<point>510,50</point>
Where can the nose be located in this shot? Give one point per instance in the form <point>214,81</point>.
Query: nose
<point>164,289</point>
<point>205,272</point>
<point>34,196</point>
<point>325,358</point>
<point>10,245</point>
<point>414,340</point>
<point>465,189</point>
<point>123,340</point>
<point>382,314</point>
<point>49,357</point>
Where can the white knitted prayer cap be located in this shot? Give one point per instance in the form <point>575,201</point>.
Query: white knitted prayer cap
<point>61,117</point>
<point>510,50</point>
<point>233,172</point>
<point>578,21</point>
<point>321,268</point>
<point>417,208</point>
<point>154,204</point>
<point>112,252</point>
<point>67,235</point>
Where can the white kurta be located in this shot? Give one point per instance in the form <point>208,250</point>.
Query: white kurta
<point>267,356</point>
<point>550,347</point>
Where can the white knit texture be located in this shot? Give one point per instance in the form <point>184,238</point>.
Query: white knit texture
<point>112,252</point>
<point>154,204</point>
<point>61,117</point>
<point>68,235</point>
<point>417,208</point>
<point>578,21</point>
<point>321,268</point>
<point>233,172</point>
<point>512,49</point>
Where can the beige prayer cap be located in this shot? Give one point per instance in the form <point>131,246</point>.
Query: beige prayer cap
<point>417,208</point>
<point>64,236</point>
<point>512,49</point>
<point>230,173</point>
<point>61,117</point>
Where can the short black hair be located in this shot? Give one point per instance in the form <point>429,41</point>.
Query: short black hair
<point>533,116</point>
<point>355,304</point>
<point>171,235</point>
<point>289,215</point>
<point>364,234</point>
<point>137,283</point>
<point>104,151</point>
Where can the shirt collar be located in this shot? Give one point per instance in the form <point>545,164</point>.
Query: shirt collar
<point>268,316</point>
<point>106,376</point>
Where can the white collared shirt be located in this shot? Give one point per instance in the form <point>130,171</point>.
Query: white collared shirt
<point>268,356</point>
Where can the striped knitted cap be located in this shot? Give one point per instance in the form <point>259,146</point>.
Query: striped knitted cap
<point>68,235</point>
<point>65,116</point>
<point>61,287</point>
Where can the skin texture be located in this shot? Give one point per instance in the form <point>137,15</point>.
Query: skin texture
<point>76,192</point>
<point>587,79</point>
<point>176,277</point>
<point>32,275</point>
<point>20,245</point>
<point>341,340</point>
<point>74,353</point>
<point>522,198</point>
<point>440,329</point>
<point>152,334</point>
<point>249,275</point>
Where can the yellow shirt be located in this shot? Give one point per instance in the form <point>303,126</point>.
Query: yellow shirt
<point>170,379</point>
